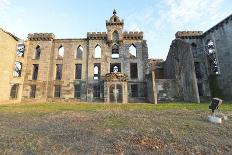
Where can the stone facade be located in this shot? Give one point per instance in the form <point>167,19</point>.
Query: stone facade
<point>212,51</point>
<point>70,69</point>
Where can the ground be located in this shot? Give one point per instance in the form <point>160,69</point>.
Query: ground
<point>61,128</point>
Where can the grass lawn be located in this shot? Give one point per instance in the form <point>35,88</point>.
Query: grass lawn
<point>93,128</point>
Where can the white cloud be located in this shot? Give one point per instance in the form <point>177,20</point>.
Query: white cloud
<point>182,12</point>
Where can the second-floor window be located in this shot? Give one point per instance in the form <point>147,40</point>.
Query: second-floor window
<point>58,71</point>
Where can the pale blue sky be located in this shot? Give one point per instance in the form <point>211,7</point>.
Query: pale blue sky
<point>159,20</point>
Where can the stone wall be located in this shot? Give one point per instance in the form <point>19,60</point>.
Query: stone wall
<point>8,47</point>
<point>221,35</point>
<point>179,65</point>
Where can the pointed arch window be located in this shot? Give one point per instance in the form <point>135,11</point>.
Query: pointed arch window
<point>18,69</point>
<point>97,71</point>
<point>133,51</point>
<point>60,52</point>
<point>79,53</point>
<point>37,52</point>
<point>115,36</point>
<point>14,91</point>
<point>97,52</point>
<point>115,51</point>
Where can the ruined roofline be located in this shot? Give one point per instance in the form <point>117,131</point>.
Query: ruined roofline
<point>188,34</point>
<point>41,36</point>
<point>220,24</point>
<point>200,34</point>
<point>13,36</point>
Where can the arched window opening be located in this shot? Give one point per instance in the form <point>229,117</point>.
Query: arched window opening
<point>60,52</point>
<point>97,52</point>
<point>115,36</point>
<point>97,71</point>
<point>17,69</point>
<point>194,49</point>
<point>212,58</point>
<point>115,51</point>
<point>20,50</point>
<point>79,52</point>
<point>133,51</point>
<point>37,52</point>
<point>14,91</point>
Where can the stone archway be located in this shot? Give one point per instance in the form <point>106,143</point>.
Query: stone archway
<point>115,88</point>
<point>115,92</point>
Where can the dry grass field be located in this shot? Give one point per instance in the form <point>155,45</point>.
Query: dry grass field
<point>61,128</point>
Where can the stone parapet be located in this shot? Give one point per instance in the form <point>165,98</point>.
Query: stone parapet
<point>188,34</point>
<point>96,35</point>
<point>41,36</point>
<point>132,35</point>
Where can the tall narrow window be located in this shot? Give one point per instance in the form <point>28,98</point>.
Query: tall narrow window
<point>58,71</point>
<point>197,70</point>
<point>57,92</point>
<point>14,91</point>
<point>115,51</point>
<point>134,90</point>
<point>20,50</point>
<point>77,91</point>
<point>115,36</point>
<point>78,71</point>
<point>33,91</point>
<point>35,71</point>
<point>18,69</point>
<point>79,53</point>
<point>97,71</point>
<point>96,91</point>
<point>60,52</point>
<point>97,52</point>
<point>194,49</point>
<point>132,51</point>
<point>133,70</point>
<point>37,52</point>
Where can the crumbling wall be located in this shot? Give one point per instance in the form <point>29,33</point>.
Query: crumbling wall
<point>221,35</point>
<point>167,90</point>
<point>179,65</point>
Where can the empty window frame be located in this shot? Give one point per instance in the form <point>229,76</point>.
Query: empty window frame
<point>97,52</point>
<point>115,51</point>
<point>20,50</point>
<point>134,90</point>
<point>115,36</point>
<point>18,69</point>
<point>133,70</point>
<point>79,53</point>
<point>37,52</point>
<point>57,91</point>
<point>59,71</point>
<point>132,51</point>
<point>78,71</point>
<point>60,52</point>
<point>97,71</point>
<point>35,71</point>
<point>33,91</point>
<point>194,49</point>
<point>197,70</point>
<point>115,67</point>
<point>14,91</point>
<point>96,91</point>
<point>77,91</point>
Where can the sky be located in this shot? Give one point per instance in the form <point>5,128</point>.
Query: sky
<point>158,19</point>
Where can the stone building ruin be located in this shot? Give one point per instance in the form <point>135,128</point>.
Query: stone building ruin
<point>113,66</point>
<point>103,67</point>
